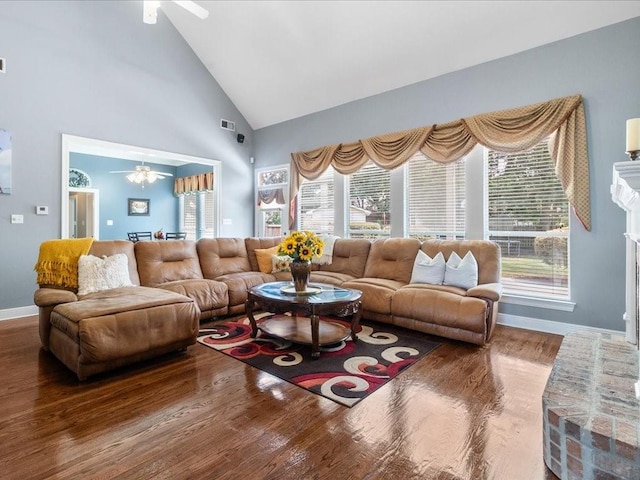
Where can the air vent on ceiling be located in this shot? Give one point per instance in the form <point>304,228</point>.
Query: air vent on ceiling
<point>3,65</point>
<point>227,125</point>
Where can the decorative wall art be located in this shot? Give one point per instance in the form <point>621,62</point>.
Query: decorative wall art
<point>139,206</point>
<point>5,162</point>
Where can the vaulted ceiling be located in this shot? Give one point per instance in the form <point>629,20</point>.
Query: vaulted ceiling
<point>279,60</point>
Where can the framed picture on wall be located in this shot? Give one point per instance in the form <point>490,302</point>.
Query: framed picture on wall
<point>139,206</point>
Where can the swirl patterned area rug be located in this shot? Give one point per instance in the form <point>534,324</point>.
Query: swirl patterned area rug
<point>346,372</point>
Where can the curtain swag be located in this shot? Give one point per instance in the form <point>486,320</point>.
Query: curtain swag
<point>268,196</point>
<point>193,184</point>
<point>508,131</point>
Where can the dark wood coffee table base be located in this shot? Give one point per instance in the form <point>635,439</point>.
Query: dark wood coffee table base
<point>304,325</point>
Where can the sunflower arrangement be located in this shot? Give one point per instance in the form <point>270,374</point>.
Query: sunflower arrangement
<point>301,245</point>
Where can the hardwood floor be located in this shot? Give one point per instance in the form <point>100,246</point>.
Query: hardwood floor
<point>462,412</point>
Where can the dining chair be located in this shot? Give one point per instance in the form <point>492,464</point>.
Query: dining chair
<point>175,235</point>
<point>137,236</point>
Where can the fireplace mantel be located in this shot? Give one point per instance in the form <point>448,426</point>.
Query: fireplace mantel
<point>625,192</point>
<point>625,189</point>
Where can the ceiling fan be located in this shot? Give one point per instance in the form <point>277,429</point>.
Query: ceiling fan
<point>142,174</point>
<point>150,10</point>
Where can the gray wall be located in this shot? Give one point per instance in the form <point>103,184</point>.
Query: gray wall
<point>601,65</point>
<point>94,69</point>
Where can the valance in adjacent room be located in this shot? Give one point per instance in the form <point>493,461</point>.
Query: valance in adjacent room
<point>194,183</point>
<point>508,131</point>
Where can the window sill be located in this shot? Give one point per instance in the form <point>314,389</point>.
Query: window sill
<point>548,303</point>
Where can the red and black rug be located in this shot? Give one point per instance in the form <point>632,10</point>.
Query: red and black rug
<point>346,372</point>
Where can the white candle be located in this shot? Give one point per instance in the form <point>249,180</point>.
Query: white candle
<point>633,135</point>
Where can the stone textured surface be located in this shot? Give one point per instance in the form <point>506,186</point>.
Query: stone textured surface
<point>591,414</point>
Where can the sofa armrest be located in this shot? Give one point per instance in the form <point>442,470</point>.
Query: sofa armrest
<point>490,291</point>
<point>47,297</point>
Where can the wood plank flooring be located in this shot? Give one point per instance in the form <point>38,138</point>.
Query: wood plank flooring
<point>462,412</point>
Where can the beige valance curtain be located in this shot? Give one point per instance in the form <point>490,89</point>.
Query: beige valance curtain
<point>193,183</point>
<point>509,131</point>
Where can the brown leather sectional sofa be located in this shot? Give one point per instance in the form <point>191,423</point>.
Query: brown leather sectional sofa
<point>178,283</point>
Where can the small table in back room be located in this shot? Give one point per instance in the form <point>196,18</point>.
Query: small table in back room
<point>275,297</point>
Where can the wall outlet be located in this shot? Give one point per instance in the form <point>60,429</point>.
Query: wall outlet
<point>109,223</point>
<point>15,218</point>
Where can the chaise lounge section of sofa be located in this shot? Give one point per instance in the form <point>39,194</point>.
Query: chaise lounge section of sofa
<point>209,279</point>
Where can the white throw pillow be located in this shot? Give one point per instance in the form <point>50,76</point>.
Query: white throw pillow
<point>280,263</point>
<point>96,274</point>
<point>463,272</point>
<point>427,269</point>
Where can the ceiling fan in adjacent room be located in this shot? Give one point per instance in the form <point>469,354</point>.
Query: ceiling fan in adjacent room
<point>150,10</point>
<point>142,174</point>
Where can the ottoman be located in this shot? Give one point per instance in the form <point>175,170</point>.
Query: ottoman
<point>120,326</point>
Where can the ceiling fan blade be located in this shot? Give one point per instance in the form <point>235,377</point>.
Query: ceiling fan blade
<point>123,171</point>
<point>193,7</point>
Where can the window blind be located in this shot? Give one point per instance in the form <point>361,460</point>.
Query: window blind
<point>435,198</point>
<point>189,215</point>
<point>528,214</point>
<point>315,204</point>
<point>370,202</point>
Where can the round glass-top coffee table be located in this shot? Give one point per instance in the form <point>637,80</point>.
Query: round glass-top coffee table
<point>320,299</point>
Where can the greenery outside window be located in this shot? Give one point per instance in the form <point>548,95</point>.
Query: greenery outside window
<point>528,216</point>
<point>435,198</point>
<point>370,202</point>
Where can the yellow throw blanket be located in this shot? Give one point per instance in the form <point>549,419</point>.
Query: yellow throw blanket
<point>58,261</point>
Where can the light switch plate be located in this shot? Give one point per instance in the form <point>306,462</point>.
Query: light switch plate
<point>42,210</point>
<point>226,221</point>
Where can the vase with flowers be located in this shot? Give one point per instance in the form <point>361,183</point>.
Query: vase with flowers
<point>301,247</point>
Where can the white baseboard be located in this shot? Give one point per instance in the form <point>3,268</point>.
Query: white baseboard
<point>9,313</point>
<point>548,326</point>
<point>528,323</point>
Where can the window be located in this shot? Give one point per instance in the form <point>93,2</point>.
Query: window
<point>515,200</point>
<point>315,204</point>
<point>197,215</point>
<point>528,214</point>
<point>272,199</point>
<point>435,198</point>
<point>188,215</point>
<point>370,202</point>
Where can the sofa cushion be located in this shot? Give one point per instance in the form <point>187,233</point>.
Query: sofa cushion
<point>101,248</point>
<point>487,254</point>
<point>263,255</point>
<point>252,243</point>
<point>209,295</point>
<point>162,262</point>
<point>122,322</point>
<point>441,305</point>
<point>96,274</point>
<point>461,272</point>
<point>392,259</point>
<point>376,293</point>
<point>239,283</point>
<point>221,256</point>
<point>332,278</point>
<point>280,263</point>
<point>427,269</point>
<point>349,257</point>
